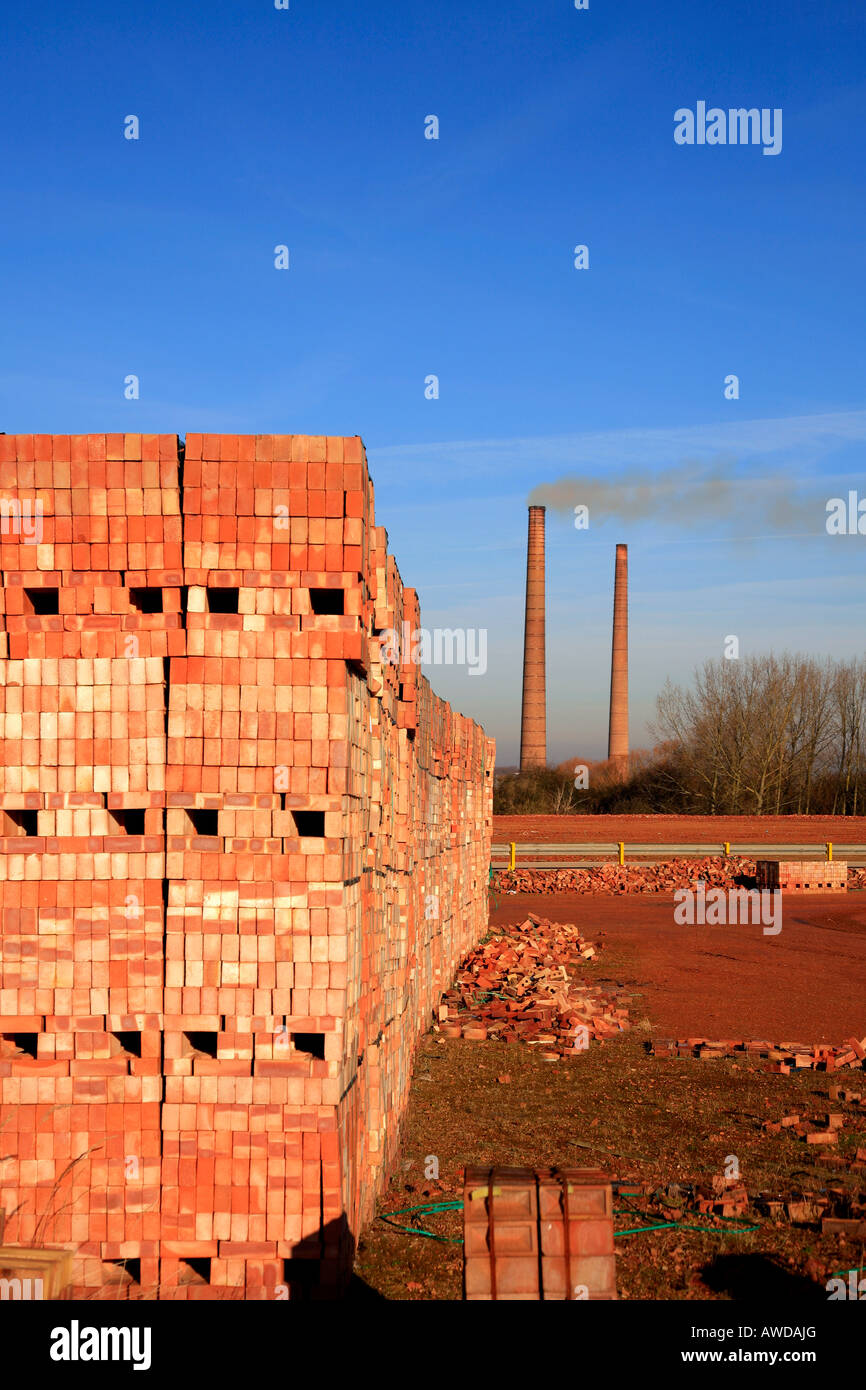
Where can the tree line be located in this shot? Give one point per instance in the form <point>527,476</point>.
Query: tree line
<point>764,735</point>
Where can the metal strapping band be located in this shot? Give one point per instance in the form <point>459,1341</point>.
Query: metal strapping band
<point>566,1234</point>
<point>539,1273</point>
<point>490,1237</point>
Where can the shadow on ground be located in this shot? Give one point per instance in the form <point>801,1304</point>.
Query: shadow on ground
<point>757,1276</point>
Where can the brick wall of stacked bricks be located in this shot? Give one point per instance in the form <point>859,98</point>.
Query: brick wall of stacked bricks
<point>240,853</point>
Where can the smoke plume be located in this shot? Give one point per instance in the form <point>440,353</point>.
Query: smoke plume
<point>688,493</point>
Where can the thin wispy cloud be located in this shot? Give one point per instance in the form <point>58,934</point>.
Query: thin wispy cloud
<point>805,436</point>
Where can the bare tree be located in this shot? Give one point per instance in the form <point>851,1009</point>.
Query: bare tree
<point>849,692</point>
<point>758,735</point>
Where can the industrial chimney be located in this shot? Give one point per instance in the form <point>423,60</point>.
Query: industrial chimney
<point>617,743</point>
<point>533,727</point>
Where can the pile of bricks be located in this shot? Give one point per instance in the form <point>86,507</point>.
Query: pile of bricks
<point>241,851</point>
<point>802,876</point>
<point>666,877</point>
<point>780,1058</point>
<point>721,1197</point>
<point>839,1212</point>
<point>521,985</point>
<point>825,1130</point>
<point>794,876</point>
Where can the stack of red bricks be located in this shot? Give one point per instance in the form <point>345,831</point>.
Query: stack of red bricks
<point>534,1234</point>
<point>803,875</point>
<point>241,854</point>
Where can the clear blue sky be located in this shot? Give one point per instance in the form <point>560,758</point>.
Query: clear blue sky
<point>454,257</point>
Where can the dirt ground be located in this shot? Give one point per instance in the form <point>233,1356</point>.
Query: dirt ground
<point>673,830</point>
<point>645,1119</point>
<point>807,984</point>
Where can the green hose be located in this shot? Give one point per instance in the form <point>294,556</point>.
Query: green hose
<point>429,1208</point>
<point>629,1210</point>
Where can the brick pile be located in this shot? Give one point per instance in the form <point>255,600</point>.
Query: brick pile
<point>241,851</point>
<point>794,876</point>
<point>780,1058</point>
<point>666,877</point>
<point>817,1129</point>
<point>839,1212</point>
<point>523,984</point>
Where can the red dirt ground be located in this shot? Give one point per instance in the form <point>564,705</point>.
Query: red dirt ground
<point>808,984</point>
<point>575,829</point>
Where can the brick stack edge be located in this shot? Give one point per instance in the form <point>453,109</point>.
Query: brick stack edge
<point>241,854</point>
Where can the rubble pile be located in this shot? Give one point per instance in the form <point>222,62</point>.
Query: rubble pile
<point>839,1212</point>
<point>780,1058</point>
<point>667,877</point>
<point>520,984</point>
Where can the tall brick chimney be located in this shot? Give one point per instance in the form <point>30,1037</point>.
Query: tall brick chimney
<point>533,726</point>
<point>617,743</point>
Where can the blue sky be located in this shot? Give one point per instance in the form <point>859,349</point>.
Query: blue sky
<point>455,257</point>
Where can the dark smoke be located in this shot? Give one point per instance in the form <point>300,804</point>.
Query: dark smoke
<point>687,493</point>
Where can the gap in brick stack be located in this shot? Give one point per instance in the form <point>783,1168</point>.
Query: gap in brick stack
<point>224,818</point>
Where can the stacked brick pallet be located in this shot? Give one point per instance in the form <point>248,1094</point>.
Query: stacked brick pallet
<point>803,876</point>
<point>538,1234</point>
<point>241,851</point>
<point>82,785</point>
